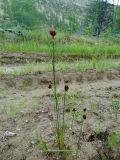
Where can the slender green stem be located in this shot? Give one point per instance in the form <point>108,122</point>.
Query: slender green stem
<point>73,119</point>
<point>80,135</point>
<point>55,93</point>
<point>63,125</point>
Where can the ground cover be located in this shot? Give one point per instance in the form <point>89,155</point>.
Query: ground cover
<point>27,117</point>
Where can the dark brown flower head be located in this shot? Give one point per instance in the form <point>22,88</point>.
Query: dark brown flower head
<point>84,109</point>
<point>50,86</point>
<point>74,110</point>
<point>66,88</point>
<point>73,133</point>
<point>66,81</point>
<point>84,116</point>
<point>53,32</point>
<point>67,110</point>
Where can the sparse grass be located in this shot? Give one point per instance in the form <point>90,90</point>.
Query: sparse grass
<point>115,107</point>
<point>41,142</point>
<point>83,66</point>
<point>84,47</point>
<point>11,107</point>
<point>94,106</point>
<point>113,140</point>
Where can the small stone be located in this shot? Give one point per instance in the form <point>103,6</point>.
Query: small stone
<point>32,142</point>
<point>26,121</point>
<point>9,134</point>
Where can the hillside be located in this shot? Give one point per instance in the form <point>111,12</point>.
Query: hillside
<point>66,14</point>
<point>61,12</point>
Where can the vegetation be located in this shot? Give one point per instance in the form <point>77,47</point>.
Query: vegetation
<point>80,46</point>
<point>59,116</point>
<point>99,17</point>
<point>117,22</point>
<point>19,13</point>
<point>95,18</point>
<point>82,66</point>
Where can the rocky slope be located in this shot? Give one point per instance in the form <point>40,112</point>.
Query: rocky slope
<point>63,13</point>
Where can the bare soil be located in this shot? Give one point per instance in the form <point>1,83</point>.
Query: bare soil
<point>38,115</point>
<point>18,58</point>
<point>12,58</point>
<point>27,108</point>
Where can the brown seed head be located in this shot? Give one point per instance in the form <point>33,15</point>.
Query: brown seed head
<point>66,88</point>
<point>84,116</point>
<point>74,110</point>
<point>50,86</point>
<point>53,32</point>
<point>84,109</point>
<point>66,81</point>
<point>73,133</point>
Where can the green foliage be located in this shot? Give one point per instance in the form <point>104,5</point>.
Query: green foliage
<point>94,106</point>
<point>99,16</point>
<point>32,14</point>
<point>115,107</point>
<point>42,144</point>
<point>23,13</point>
<point>11,107</point>
<point>87,50</point>
<point>113,140</point>
<point>117,19</point>
<point>82,66</point>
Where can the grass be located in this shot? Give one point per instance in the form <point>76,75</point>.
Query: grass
<point>115,107</point>
<point>11,107</point>
<point>42,144</point>
<point>80,47</point>
<point>113,140</point>
<point>84,65</point>
<point>83,50</point>
<point>39,41</point>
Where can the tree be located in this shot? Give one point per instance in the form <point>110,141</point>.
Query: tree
<point>22,12</point>
<point>117,19</point>
<point>99,16</point>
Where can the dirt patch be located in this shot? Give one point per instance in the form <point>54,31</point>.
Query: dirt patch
<point>30,110</point>
<point>27,109</point>
<point>18,58</point>
<point>35,80</point>
<point>12,58</point>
